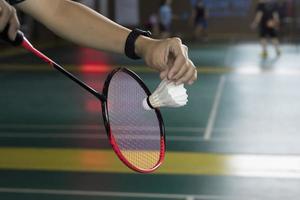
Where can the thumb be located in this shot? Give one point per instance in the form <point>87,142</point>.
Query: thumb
<point>164,73</point>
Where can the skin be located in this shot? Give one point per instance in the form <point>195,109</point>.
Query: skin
<point>8,16</point>
<point>81,25</point>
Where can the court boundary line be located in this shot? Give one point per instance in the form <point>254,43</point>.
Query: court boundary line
<point>214,111</point>
<point>85,127</point>
<point>56,131</point>
<point>99,136</point>
<point>76,68</point>
<point>215,70</point>
<point>118,194</point>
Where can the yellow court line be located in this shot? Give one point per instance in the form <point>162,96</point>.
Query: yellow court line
<point>184,163</point>
<point>76,68</point>
<point>12,52</point>
<point>144,69</point>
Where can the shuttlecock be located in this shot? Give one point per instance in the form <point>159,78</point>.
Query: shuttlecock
<point>167,94</point>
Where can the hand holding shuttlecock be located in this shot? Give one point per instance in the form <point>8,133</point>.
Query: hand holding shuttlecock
<point>167,94</point>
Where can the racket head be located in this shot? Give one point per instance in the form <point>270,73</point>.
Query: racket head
<point>137,135</point>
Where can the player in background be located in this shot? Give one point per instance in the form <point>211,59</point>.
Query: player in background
<point>165,18</point>
<point>199,20</point>
<point>267,20</point>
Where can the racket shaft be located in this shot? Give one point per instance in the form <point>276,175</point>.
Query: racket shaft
<point>27,45</point>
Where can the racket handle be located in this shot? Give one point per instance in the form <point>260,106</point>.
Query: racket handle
<point>18,40</point>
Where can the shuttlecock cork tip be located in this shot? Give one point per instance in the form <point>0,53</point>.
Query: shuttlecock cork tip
<point>147,105</point>
<point>167,94</point>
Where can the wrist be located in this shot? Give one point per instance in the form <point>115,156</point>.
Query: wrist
<point>142,44</point>
<point>136,43</point>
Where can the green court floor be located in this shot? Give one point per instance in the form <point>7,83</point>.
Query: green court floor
<point>238,138</point>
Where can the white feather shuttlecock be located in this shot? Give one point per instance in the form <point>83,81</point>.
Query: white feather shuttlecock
<point>167,94</point>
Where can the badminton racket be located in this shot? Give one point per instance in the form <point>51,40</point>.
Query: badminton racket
<point>136,135</point>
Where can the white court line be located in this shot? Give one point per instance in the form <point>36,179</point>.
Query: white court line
<point>88,136</point>
<point>102,136</point>
<point>88,127</point>
<point>194,136</point>
<point>51,127</point>
<point>118,194</point>
<point>213,113</point>
<point>190,198</point>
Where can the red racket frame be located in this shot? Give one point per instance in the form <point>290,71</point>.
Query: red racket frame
<point>108,128</point>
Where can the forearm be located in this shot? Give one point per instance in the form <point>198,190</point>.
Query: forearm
<point>79,24</point>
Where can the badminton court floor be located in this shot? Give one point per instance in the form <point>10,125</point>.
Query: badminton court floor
<point>238,138</point>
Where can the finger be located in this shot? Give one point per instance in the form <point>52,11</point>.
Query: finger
<point>170,59</point>
<point>188,76</point>
<point>182,71</point>
<point>163,74</point>
<point>186,50</point>
<point>179,62</point>
<point>14,26</point>
<point>4,18</point>
<point>176,50</point>
<point>194,78</point>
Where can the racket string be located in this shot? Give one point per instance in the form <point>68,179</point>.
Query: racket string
<point>136,131</point>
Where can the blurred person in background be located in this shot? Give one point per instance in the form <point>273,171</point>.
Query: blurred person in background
<point>165,18</point>
<point>268,21</point>
<point>199,20</point>
<point>77,23</point>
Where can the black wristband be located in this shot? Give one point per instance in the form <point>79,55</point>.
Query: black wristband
<point>130,42</point>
